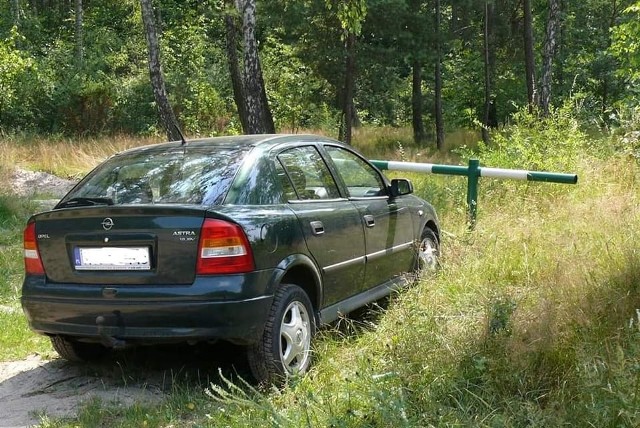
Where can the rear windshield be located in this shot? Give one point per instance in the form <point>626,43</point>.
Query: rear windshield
<point>172,176</point>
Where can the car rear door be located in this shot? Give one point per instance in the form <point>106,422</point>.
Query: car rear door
<point>331,224</point>
<point>387,221</point>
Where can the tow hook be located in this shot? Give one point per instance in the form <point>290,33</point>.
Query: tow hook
<point>108,341</point>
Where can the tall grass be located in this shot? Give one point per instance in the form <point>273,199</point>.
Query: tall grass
<point>62,156</point>
<point>16,339</point>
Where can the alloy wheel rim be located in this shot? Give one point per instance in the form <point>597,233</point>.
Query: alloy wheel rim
<point>295,338</point>
<point>428,254</point>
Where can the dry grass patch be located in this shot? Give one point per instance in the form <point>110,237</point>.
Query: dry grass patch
<point>64,157</point>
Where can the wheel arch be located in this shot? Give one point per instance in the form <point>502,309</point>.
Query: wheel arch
<point>431,224</point>
<point>300,270</point>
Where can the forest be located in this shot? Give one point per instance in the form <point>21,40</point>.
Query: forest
<point>210,67</point>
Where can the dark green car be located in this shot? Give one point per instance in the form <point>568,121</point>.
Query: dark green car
<point>250,239</point>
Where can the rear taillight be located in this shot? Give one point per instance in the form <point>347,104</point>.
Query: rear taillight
<point>223,249</point>
<point>32,261</point>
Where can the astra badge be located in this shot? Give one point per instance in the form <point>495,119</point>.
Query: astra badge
<point>107,223</point>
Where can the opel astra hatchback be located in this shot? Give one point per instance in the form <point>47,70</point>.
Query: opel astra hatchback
<point>254,240</point>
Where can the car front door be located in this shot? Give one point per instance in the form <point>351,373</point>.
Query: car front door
<point>387,220</point>
<point>331,224</point>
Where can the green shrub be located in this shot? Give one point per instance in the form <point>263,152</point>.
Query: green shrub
<point>531,142</point>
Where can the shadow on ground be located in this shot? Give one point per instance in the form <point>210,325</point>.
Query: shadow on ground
<point>58,388</point>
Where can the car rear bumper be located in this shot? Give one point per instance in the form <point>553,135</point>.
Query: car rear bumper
<point>145,315</point>
<point>240,321</point>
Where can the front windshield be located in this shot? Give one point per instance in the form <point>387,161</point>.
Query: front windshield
<point>169,176</point>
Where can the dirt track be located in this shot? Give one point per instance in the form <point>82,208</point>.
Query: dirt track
<point>145,375</point>
<point>56,388</point>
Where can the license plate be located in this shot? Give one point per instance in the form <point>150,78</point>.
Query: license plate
<point>112,258</point>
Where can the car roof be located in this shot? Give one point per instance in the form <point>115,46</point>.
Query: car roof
<point>265,141</point>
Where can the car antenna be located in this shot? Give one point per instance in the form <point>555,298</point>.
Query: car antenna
<point>184,141</point>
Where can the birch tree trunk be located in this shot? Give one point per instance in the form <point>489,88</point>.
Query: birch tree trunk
<point>529,59</point>
<point>548,55</point>
<point>167,116</point>
<point>488,70</point>
<point>259,118</point>
<point>231,46</point>
<point>79,34</point>
<point>15,11</point>
<point>438,80</point>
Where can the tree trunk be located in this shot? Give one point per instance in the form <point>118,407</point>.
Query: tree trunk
<point>348,110</point>
<point>15,11</point>
<point>167,116</point>
<point>259,118</point>
<point>438,81</point>
<point>547,56</point>
<point>232,31</point>
<point>489,106</point>
<point>79,34</point>
<point>416,29</point>
<point>529,59</point>
<point>419,135</point>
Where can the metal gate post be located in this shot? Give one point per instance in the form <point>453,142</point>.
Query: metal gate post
<point>473,174</point>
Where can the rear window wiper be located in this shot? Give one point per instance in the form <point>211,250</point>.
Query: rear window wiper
<point>84,202</point>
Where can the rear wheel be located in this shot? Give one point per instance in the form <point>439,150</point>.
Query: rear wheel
<point>72,350</point>
<point>428,251</point>
<point>285,348</point>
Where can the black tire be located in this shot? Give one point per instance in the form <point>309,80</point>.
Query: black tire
<point>72,350</point>
<point>285,347</point>
<point>428,252</point>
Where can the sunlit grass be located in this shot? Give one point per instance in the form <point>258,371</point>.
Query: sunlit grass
<point>64,157</point>
<point>16,339</point>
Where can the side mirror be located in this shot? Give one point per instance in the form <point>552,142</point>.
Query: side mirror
<point>401,186</point>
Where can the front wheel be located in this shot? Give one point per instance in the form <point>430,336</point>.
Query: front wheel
<point>285,348</point>
<point>428,251</point>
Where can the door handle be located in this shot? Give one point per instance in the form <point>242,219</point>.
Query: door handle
<point>369,220</point>
<point>317,228</point>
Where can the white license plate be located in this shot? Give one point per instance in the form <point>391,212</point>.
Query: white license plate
<point>112,258</point>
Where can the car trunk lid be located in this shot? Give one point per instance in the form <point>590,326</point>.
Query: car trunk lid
<point>120,244</point>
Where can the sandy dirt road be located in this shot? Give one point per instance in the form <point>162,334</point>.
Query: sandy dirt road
<point>146,375</point>
<point>55,388</point>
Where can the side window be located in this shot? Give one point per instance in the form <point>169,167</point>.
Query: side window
<point>304,175</point>
<point>359,177</point>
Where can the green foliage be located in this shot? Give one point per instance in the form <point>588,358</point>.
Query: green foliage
<point>625,44</point>
<point>531,142</point>
<point>350,13</point>
<point>48,88</point>
<point>195,90</point>
<point>16,70</point>
<point>625,48</point>
<point>296,94</point>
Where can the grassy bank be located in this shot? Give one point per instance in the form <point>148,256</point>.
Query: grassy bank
<point>16,340</point>
<point>533,319</point>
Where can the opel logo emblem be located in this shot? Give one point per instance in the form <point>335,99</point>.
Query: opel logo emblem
<point>107,223</point>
